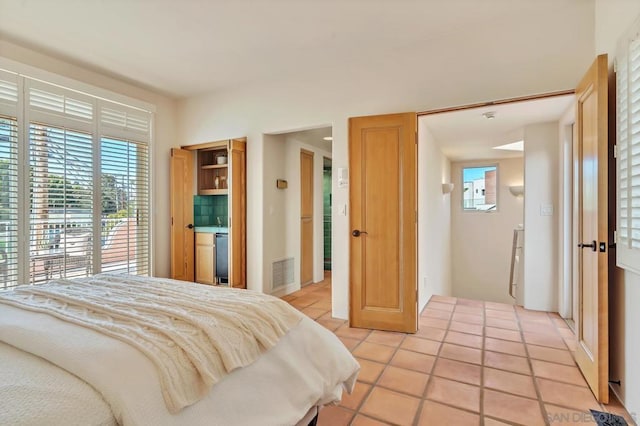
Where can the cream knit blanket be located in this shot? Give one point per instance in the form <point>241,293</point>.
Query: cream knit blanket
<point>194,334</point>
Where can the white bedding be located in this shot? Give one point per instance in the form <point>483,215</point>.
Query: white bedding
<point>194,335</point>
<point>36,392</point>
<point>307,367</point>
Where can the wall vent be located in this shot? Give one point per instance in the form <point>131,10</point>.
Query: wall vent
<point>281,272</point>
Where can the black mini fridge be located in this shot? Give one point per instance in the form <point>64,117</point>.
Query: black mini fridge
<point>222,258</point>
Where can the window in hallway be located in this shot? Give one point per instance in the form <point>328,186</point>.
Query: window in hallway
<point>479,188</point>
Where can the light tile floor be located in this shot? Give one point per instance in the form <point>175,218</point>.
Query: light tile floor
<point>470,363</point>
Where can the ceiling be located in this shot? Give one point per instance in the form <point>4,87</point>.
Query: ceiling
<point>186,48</point>
<point>313,137</point>
<point>468,135</point>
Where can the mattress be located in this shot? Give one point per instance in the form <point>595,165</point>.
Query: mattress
<point>308,367</point>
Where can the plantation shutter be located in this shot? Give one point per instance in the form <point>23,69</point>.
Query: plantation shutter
<point>124,156</point>
<point>628,156</point>
<point>74,182</point>
<point>8,180</point>
<point>61,172</point>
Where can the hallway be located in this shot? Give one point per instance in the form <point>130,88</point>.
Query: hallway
<point>470,363</point>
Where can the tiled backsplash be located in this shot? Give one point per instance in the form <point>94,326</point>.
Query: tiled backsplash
<point>208,208</point>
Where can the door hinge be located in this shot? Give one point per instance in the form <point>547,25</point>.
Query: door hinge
<point>615,237</point>
<point>615,151</point>
<point>171,221</point>
<point>416,216</point>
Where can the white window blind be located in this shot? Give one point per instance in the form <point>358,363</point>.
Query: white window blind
<point>8,90</point>
<point>77,183</point>
<point>126,123</point>
<point>61,224</point>
<point>8,180</point>
<point>60,107</point>
<point>125,206</point>
<point>628,145</point>
<point>8,201</point>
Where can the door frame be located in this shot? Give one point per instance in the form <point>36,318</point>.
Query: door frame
<point>564,208</point>
<point>307,218</point>
<point>567,285</point>
<point>237,258</point>
<point>568,291</point>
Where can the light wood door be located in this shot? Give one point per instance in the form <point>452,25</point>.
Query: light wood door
<point>205,258</point>
<point>306,217</point>
<point>181,195</point>
<point>237,213</point>
<point>591,201</point>
<point>383,215</point>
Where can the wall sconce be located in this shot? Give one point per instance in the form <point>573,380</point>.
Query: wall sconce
<point>447,188</point>
<point>517,190</point>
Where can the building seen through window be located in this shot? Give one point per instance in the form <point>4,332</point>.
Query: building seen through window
<point>480,188</point>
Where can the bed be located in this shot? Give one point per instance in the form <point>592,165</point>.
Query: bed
<point>70,353</point>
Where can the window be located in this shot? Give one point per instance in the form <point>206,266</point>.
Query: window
<point>8,200</point>
<point>61,202</point>
<point>125,206</point>
<point>628,147</point>
<point>82,199</point>
<point>479,188</point>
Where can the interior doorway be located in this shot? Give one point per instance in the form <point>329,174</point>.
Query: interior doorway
<point>306,216</point>
<point>519,140</point>
<point>283,214</point>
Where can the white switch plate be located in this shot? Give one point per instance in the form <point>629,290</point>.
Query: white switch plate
<point>343,177</point>
<point>546,209</point>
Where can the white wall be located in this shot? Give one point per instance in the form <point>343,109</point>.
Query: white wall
<point>613,17</point>
<point>275,205</point>
<point>434,218</point>
<point>540,229</point>
<point>164,137</point>
<point>467,71</point>
<point>482,241</point>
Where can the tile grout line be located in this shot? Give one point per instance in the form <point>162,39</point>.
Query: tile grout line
<point>423,399</point>
<point>482,359</point>
<point>375,383</point>
<point>543,410</point>
<point>555,326</point>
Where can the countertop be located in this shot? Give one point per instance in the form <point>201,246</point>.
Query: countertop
<point>212,229</point>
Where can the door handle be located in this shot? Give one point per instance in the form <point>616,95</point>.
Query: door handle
<point>593,245</point>
<point>190,226</point>
<point>357,232</point>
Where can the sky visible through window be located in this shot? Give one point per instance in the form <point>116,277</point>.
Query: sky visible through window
<point>474,173</point>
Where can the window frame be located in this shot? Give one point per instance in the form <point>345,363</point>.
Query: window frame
<point>627,256</point>
<point>72,118</point>
<point>480,165</point>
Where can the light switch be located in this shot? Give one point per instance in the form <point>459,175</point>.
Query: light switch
<point>546,209</point>
<point>343,177</point>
